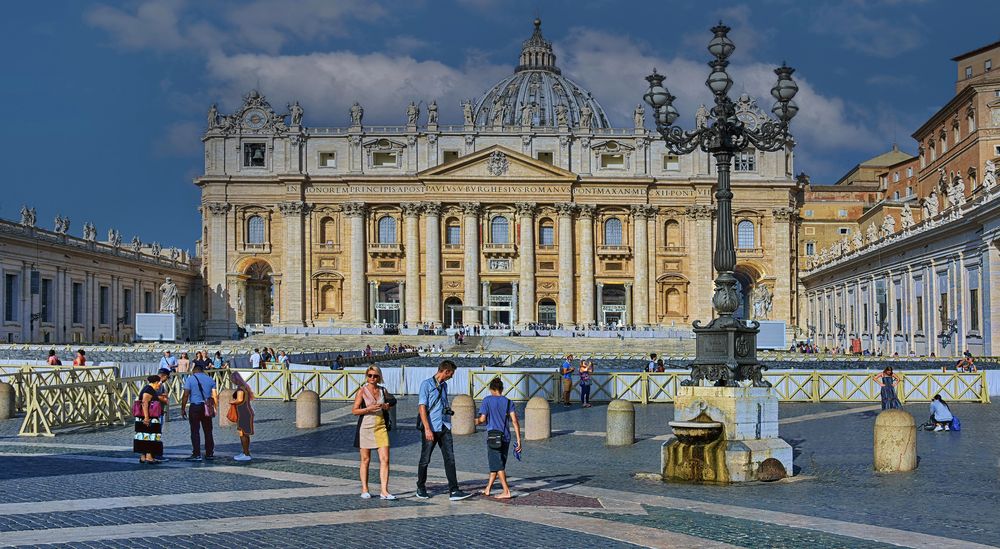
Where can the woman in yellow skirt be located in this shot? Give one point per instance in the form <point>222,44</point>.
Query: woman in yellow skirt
<point>372,405</point>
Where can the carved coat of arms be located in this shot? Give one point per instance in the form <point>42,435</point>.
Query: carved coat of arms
<point>497,164</point>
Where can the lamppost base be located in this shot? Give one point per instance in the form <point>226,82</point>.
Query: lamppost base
<point>726,353</point>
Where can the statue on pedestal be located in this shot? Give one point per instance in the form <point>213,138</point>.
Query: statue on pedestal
<point>872,233</point>
<point>89,231</point>
<point>931,205</point>
<point>296,111</point>
<point>639,117</point>
<point>527,112</point>
<point>412,112</point>
<point>213,117</point>
<point>357,113</point>
<point>28,216</point>
<point>762,300</point>
<point>586,116</point>
<point>156,248</point>
<point>432,113</point>
<point>956,192</point>
<point>701,117</point>
<point>906,217</point>
<point>467,112</point>
<point>169,299</point>
<point>561,117</point>
<point>136,245</point>
<point>858,240</point>
<point>888,225</point>
<point>989,175</point>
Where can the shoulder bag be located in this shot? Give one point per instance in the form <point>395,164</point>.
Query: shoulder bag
<point>209,403</point>
<point>155,407</point>
<point>391,401</point>
<point>232,415</point>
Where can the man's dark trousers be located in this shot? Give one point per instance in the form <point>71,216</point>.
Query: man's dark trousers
<point>198,420</point>
<point>442,438</point>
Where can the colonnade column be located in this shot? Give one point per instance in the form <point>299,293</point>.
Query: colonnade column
<point>411,298</point>
<point>486,302</point>
<point>432,240</point>
<point>640,262</point>
<point>294,298</point>
<point>218,324</point>
<point>699,247</point>
<point>471,211</point>
<point>526,305</point>
<point>587,264</point>
<point>355,212</point>
<point>628,305</point>
<point>515,302</point>
<point>564,313</point>
<point>402,302</point>
<point>600,303</point>
<point>372,299</point>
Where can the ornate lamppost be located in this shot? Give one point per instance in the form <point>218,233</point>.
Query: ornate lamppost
<point>726,347</point>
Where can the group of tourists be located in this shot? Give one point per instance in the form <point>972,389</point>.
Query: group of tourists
<point>942,419</point>
<point>184,363</point>
<point>199,406</point>
<point>585,371</point>
<point>264,358</point>
<point>79,360</point>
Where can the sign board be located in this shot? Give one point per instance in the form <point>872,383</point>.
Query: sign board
<point>613,308</point>
<point>156,327</point>
<point>499,298</point>
<point>546,309</point>
<point>772,335</point>
<point>387,306</point>
<point>497,308</point>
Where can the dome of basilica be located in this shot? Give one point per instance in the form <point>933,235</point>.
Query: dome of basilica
<point>538,90</point>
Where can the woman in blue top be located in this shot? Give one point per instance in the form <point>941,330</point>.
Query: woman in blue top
<point>494,411</point>
<point>941,414</point>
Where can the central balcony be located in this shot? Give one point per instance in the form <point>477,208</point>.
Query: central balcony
<point>614,252</point>
<point>492,249</point>
<point>385,249</point>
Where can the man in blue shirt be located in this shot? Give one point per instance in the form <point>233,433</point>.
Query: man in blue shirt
<point>435,424</point>
<point>200,389</point>
<point>168,362</point>
<point>566,371</point>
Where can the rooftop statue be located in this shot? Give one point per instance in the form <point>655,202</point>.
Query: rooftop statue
<point>888,225</point>
<point>639,116</point>
<point>357,113</point>
<point>412,112</point>
<point>989,175</point>
<point>931,205</point>
<point>296,111</point>
<point>432,113</point>
<point>956,192</point>
<point>906,217</point>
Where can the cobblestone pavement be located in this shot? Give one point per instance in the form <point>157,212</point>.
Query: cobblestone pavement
<point>84,488</point>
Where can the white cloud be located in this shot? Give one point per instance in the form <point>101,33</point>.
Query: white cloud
<point>182,139</point>
<point>154,25</point>
<point>868,34</point>
<point>326,84</point>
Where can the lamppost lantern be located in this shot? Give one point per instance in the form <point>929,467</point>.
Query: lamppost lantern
<point>726,347</point>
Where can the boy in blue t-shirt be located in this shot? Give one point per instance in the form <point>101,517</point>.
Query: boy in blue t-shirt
<point>494,411</point>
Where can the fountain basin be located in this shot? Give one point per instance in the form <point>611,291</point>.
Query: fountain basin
<point>696,432</point>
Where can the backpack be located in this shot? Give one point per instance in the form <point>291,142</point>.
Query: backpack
<point>956,425</point>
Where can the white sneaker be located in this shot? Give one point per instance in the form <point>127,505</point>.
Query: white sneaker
<point>242,457</point>
<point>366,495</point>
<point>389,497</point>
<point>947,427</point>
<point>938,428</point>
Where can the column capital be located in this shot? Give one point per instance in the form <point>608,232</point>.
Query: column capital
<point>526,209</point>
<point>355,209</point>
<point>566,209</point>
<point>785,214</point>
<point>411,209</point>
<point>699,211</point>
<point>293,208</point>
<point>587,210</point>
<point>471,209</point>
<point>217,208</point>
<point>642,211</point>
<point>432,208</point>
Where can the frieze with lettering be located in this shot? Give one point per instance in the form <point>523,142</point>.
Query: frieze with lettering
<point>611,191</point>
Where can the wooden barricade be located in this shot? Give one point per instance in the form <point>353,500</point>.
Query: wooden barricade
<point>57,406</point>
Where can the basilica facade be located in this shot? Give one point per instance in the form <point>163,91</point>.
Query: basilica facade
<point>534,209</point>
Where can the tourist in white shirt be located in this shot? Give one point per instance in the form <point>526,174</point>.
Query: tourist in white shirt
<point>255,359</point>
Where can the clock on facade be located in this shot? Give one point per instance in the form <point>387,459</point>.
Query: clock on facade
<point>254,119</point>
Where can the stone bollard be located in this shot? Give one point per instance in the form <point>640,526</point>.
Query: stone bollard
<point>7,401</point>
<point>225,397</point>
<point>895,442</point>
<point>464,420</point>
<point>621,423</point>
<point>537,419</point>
<point>307,410</point>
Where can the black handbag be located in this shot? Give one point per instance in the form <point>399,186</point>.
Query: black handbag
<point>391,401</point>
<point>494,438</point>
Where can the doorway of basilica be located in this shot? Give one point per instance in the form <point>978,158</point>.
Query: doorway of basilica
<point>387,303</point>
<point>744,287</point>
<point>259,293</point>
<point>613,307</point>
<point>500,304</point>
<point>452,316</point>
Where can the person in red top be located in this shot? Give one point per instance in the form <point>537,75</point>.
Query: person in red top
<point>81,358</point>
<point>53,360</point>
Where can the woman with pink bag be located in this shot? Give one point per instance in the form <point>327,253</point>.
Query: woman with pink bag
<point>147,410</point>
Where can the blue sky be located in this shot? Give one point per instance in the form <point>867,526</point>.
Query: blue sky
<point>107,100</point>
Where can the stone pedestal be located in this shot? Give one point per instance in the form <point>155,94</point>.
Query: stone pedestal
<point>895,444</point>
<point>225,399</point>
<point>621,423</point>
<point>464,420</point>
<point>749,418</point>
<point>537,419</point>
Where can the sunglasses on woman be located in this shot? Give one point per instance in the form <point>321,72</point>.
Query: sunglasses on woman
<point>372,376</point>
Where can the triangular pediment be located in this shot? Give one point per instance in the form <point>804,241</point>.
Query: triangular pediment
<point>496,162</point>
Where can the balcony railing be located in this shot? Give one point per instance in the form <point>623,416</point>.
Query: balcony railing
<point>496,249</point>
<point>673,249</point>
<point>329,246</point>
<point>750,252</point>
<point>260,248</point>
<point>385,249</point>
<point>604,250</point>
<point>453,246</point>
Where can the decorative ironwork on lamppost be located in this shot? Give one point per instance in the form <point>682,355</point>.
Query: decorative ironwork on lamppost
<point>726,347</point>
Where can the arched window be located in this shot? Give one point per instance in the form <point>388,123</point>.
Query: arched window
<point>255,230</point>
<point>547,233</point>
<point>500,230</point>
<point>613,232</point>
<point>328,231</point>
<point>387,230</point>
<point>452,232</point>
<point>744,235</point>
<point>672,232</point>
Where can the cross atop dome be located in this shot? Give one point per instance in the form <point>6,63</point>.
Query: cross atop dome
<point>536,53</point>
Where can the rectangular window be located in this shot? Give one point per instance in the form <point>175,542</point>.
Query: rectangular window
<point>453,235</point>
<point>968,72</point>
<point>844,230</point>
<point>841,213</point>
<point>327,160</point>
<point>448,156</point>
<point>671,163</point>
<point>613,161</point>
<point>920,314</point>
<point>810,248</point>
<point>11,298</point>
<point>48,308</point>
<point>384,160</point>
<point>864,316</point>
<point>77,303</point>
<point>974,309</point>
<point>810,230</point>
<point>909,191</point>
<point>147,302</point>
<point>909,172</point>
<point>988,65</point>
<point>545,156</point>
<point>104,305</point>
<point>254,155</point>
<point>745,161</point>
<point>547,236</point>
<point>895,195</point>
<point>899,315</point>
<point>127,306</point>
<point>808,213</point>
<point>895,177</point>
<point>452,264</point>
<point>944,309</point>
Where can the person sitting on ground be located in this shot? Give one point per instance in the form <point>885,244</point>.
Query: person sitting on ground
<point>53,360</point>
<point>941,414</point>
<point>494,411</point>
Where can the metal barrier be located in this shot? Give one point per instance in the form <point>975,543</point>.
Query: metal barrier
<point>57,406</point>
<point>23,377</point>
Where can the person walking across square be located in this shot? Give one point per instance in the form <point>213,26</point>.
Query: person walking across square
<point>435,425</point>
<point>200,389</point>
<point>497,412</point>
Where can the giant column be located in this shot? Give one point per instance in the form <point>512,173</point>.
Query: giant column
<point>432,239</point>
<point>219,324</point>
<point>292,278</point>
<point>699,250</point>
<point>640,262</point>
<point>564,314</point>
<point>782,305</point>
<point>526,298</point>
<point>411,299</point>
<point>355,212</point>
<point>587,264</point>
<point>471,283</point>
